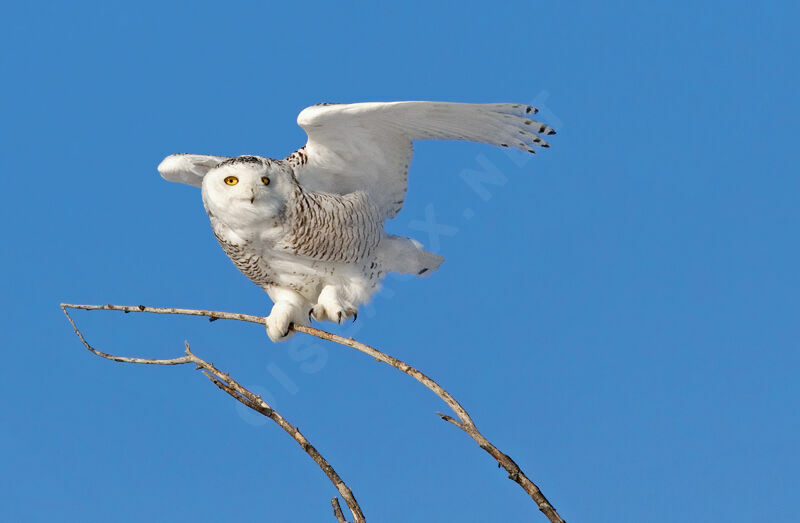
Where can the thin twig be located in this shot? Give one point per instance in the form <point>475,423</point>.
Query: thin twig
<point>250,400</point>
<point>464,421</point>
<point>337,510</point>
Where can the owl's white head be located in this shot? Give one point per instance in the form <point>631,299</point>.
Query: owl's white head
<point>243,191</point>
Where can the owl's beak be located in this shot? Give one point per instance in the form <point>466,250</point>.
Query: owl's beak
<point>252,195</point>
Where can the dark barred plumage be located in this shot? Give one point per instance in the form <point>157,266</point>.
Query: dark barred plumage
<point>245,159</point>
<point>249,262</point>
<point>331,227</point>
<point>297,158</point>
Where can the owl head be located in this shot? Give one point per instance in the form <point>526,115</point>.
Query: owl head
<point>238,191</point>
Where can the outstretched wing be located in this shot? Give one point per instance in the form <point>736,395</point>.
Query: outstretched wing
<point>188,168</point>
<point>368,146</point>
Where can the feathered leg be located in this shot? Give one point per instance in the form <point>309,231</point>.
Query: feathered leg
<point>290,307</point>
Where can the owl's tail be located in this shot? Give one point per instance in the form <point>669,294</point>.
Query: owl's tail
<point>406,256</point>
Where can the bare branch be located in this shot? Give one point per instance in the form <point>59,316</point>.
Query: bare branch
<point>466,424</point>
<point>464,421</point>
<point>241,394</point>
<point>450,419</point>
<point>337,510</point>
<point>214,315</point>
<point>245,397</point>
<point>123,359</point>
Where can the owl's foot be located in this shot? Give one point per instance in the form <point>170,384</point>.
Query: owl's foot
<point>332,308</point>
<point>280,320</point>
<point>339,314</point>
<point>279,327</point>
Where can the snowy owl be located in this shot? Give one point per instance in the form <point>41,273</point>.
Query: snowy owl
<point>309,229</point>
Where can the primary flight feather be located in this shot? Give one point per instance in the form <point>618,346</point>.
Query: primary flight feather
<point>309,229</point>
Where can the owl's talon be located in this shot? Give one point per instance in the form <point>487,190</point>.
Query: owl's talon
<point>331,307</point>
<point>355,316</point>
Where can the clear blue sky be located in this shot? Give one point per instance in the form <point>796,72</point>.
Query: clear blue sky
<point>619,313</point>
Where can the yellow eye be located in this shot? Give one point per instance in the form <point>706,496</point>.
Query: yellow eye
<point>265,180</point>
<point>231,180</point>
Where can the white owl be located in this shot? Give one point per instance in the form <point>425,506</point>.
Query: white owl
<point>309,229</point>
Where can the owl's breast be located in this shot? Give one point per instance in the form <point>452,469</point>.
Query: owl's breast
<point>248,260</point>
<point>265,266</point>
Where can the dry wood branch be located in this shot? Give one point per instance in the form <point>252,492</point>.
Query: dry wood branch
<point>464,421</point>
<point>250,400</point>
<point>337,510</point>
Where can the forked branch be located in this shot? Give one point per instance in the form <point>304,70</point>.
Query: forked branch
<point>250,400</point>
<point>462,420</point>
